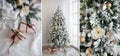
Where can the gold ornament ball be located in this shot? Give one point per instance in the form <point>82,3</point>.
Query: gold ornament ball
<point>89,52</point>
<point>19,3</point>
<point>82,39</point>
<point>108,4</point>
<point>105,54</point>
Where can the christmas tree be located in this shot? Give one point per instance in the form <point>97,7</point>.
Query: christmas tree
<point>99,27</point>
<point>58,33</point>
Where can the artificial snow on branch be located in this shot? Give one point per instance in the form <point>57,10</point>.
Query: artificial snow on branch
<point>99,27</point>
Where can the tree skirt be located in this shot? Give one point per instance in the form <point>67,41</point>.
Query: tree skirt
<point>69,52</point>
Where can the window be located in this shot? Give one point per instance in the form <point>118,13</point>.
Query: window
<point>71,13</point>
<point>74,22</point>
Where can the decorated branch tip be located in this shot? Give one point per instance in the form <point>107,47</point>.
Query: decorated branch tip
<point>30,13</point>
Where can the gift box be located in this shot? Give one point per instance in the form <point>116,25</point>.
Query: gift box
<point>28,28</point>
<point>16,35</point>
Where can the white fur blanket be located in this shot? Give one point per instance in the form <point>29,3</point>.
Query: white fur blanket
<point>31,46</point>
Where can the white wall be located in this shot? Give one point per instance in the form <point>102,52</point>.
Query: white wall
<point>48,9</point>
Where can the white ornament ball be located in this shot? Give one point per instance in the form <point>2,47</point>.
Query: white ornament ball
<point>105,54</point>
<point>89,34</point>
<point>25,11</point>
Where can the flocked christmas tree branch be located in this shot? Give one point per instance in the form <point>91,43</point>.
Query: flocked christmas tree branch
<point>99,27</point>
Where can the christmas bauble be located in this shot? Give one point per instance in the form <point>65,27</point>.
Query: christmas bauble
<point>108,4</point>
<point>25,11</point>
<point>19,3</point>
<point>89,52</point>
<point>82,39</point>
<point>105,54</point>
